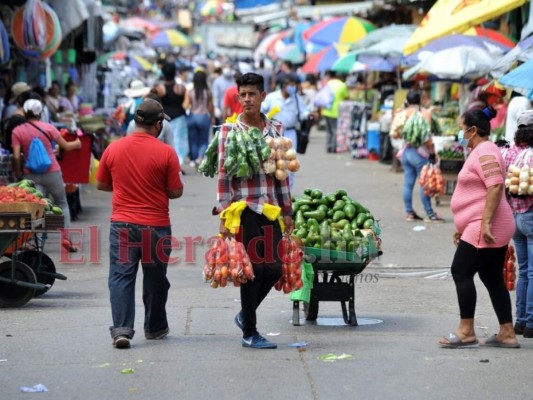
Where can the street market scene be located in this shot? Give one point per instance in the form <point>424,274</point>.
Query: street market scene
<point>262,198</point>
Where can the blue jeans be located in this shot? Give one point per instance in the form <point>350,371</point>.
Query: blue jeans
<point>199,126</point>
<point>523,241</point>
<point>129,244</point>
<point>412,163</point>
<point>181,137</point>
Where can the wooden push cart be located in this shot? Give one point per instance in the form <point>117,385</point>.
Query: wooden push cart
<point>26,273</point>
<point>334,279</point>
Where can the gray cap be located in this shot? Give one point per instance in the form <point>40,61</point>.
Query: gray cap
<point>525,119</point>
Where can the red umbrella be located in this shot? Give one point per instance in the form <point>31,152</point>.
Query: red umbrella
<point>491,34</point>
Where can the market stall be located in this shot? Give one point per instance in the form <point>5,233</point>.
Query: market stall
<point>27,271</point>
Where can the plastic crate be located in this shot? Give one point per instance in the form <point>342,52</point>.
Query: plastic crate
<point>453,166</point>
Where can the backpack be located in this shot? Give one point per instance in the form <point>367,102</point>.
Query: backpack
<point>416,130</point>
<point>325,98</point>
<point>38,161</point>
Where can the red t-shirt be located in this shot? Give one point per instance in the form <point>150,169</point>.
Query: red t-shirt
<point>24,134</point>
<point>231,100</point>
<point>141,169</point>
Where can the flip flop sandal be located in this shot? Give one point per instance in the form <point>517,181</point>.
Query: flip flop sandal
<point>493,342</point>
<point>455,342</point>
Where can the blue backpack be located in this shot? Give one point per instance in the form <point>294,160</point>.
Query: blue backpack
<point>38,161</point>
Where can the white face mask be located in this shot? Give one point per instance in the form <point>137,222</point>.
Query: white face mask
<point>226,72</point>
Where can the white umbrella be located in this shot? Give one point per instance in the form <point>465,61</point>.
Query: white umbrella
<point>463,62</point>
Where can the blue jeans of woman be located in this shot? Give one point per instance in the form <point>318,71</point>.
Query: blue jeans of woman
<point>51,184</point>
<point>199,126</point>
<point>129,244</point>
<point>412,163</point>
<point>523,241</point>
<point>181,137</point>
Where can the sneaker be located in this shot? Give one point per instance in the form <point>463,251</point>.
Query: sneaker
<point>238,321</point>
<point>121,342</point>
<point>434,218</point>
<point>192,164</point>
<point>258,342</point>
<point>528,332</point>
<point>157,335</point>
<point>519,328</point>
<point>413,217</point>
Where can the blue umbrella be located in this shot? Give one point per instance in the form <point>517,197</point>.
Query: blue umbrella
<point>452,41</point>
<point>520,79</point>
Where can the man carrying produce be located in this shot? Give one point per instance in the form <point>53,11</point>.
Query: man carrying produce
<point>256,208</point>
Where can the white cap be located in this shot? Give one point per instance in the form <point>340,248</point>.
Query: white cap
<point>33,105</point>
<point>137,89</point>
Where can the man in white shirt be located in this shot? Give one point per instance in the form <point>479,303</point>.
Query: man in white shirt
<point>292,110</point>
<point>517,106</point>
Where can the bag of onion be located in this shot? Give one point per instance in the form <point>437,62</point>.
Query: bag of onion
<point>283,158</point>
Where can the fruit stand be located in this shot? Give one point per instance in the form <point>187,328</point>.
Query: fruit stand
<point>26,272</point>
<point>340,238</point>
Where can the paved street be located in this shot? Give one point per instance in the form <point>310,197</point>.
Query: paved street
<point>61,339</point>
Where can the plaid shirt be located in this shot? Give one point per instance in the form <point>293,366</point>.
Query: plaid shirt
<point>261,188</point>
<point>519,205</point>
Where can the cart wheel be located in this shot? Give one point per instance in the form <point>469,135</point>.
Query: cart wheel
<point>311,309</point>
<point>12,295</point>
<point>31,258</point>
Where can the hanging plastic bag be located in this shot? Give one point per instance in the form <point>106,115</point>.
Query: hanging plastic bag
<point>227,261</point>
<point>291,265</point>
<point>431,180</point>
<point>509,268</point>
<point>519,181</point>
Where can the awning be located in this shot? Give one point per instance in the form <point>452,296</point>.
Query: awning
<point>259,15</point>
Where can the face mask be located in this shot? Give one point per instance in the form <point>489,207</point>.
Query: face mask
<point>291,90</point>
<point>226,72</point>
<point>461,138</point>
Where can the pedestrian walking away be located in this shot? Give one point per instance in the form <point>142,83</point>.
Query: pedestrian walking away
<point>417,151</point>
<point>49,182</point>
<point>265,201</point>
<point>143,174</point>
<point>173,96</point>
<point>522,207</point>
<point>484,226</point>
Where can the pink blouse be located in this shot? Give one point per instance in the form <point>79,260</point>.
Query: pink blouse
<point>470,196</point>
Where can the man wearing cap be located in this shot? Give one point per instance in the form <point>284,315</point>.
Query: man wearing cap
<point>16,90</point>
<point>143,174</point>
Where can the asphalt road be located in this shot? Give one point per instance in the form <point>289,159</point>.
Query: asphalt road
<point>61,339</point>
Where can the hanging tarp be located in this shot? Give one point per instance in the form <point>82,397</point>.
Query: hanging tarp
<point>240,4</point>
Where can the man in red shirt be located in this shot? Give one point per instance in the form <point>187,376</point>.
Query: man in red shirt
<point>143,174</point>
<point>232,105</point>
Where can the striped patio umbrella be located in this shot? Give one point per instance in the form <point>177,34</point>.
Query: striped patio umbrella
<point>344,30</point>
<point>136,62</point>
<point>324,60</point>
<point>171,38</point>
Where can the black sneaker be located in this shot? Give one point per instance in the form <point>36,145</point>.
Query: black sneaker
<point>519,328</point>
<point>528,332</point>
<point>157,335</point>
<point>258,342</point>
<point>238,321</point>
<point>121,342</point>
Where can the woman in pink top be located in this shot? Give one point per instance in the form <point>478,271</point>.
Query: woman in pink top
<point>51,181</point>
<point>484,226</point>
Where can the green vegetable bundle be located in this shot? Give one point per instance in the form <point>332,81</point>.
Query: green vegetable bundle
<point>245,150</point>
<point>333,221</point>
<point>209,165</point>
